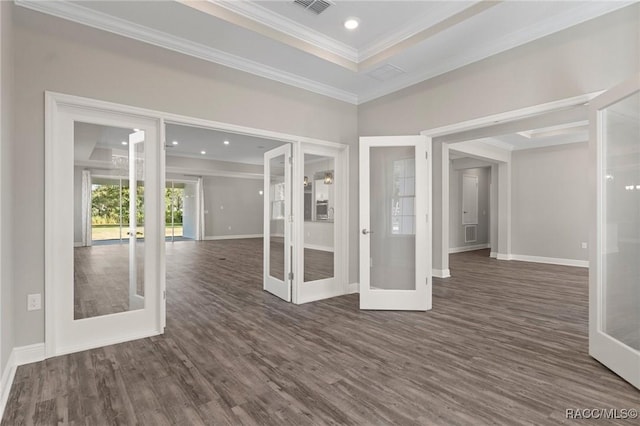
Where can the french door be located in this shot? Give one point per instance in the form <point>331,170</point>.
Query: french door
<point>395,223</point>
<point>614,273</point>
<point>109,291</point>
<point>278,222</point>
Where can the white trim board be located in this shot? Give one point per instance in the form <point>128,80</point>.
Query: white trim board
<point>549,260</point>
<point>353,288</point>
<point>19,356</point>
<point>231,237</point>
<point>318,247</point>
<point>441,273</point>
<point>469,248</point>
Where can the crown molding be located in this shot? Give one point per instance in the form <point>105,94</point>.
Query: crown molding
<point>255,12</point>
<point>82,15</point>
<point>569,18</point>
<point>412,28</point>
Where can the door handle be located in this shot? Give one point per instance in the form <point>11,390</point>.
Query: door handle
<point>366,231</point>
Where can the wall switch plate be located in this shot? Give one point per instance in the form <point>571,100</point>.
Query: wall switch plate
<point>34,302</point>
<point>583,245</point>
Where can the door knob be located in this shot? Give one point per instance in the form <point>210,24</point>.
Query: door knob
<point>366,231</point>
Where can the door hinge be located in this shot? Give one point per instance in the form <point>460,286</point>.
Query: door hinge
<point>290,218</point>
<point>291,276</point>
<point>164,294</point>
<point>426,155</point>
<point>426,280</point>
<point>427,216</point>
<point>290,160</point>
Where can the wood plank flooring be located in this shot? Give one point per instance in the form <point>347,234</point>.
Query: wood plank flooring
<point>506,343</point>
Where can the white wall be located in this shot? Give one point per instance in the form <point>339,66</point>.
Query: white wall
<point>589,57</point>
<point>456,229</point>
<point>7,331</point>
<point>549,201</point>
<point>57,55</point>
<point>233,206</point>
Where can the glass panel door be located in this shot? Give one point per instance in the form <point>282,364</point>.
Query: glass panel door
<point>395,246</point>
<point>278,249</point>
<point>614,326</point>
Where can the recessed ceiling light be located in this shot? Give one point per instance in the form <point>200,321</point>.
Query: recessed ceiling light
<point>351,23</point>
<point>175,142</point>
<point>136,130</point>
<point>226,142</point>
<point>125,143</point>
<point>203,152</point>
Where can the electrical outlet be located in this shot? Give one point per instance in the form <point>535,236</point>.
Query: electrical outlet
<point>34,302</point>
<point>583,245</point>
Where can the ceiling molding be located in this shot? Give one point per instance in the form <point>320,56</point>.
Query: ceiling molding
<point>254,11</point>
<point>82,15</point>
<point>412,28</point>
<point>525,35</point>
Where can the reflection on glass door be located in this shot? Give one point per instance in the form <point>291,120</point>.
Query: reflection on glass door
<point>175,206</point>
<point>278,250</point>
<point>108,221</point>
<point>614,325</point>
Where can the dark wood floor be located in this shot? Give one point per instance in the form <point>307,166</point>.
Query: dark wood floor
<point>506,343</point>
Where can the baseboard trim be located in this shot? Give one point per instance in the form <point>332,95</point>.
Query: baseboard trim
<point>493,255</point>
<point>468,248</point>
<point>28,354</point>
<point>104,342</point>
<point>441,273</point>
<point>550,260</point>
<point>503,256</point>
<point>77,244</point>
<point>353,288</point>
<point>232,237</point>
<point>8,375</point>
<point>317,247</point>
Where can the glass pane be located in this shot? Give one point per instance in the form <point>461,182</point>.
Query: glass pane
<point>102,278</point>
<point>277,194</point>
<point>621,221</point>
<point>319,198</point>
<point>392,198</point>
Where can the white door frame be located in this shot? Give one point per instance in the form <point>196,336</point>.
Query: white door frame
<point>441,173</point>
<point>617,356</point>
<point>419,298</point>
<point>63,334</point>
<point>53,99</point>
<point>338,285</point>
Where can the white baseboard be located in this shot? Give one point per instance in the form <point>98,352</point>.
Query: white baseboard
<point>441,273</point>
<point>468,248</point>
<point>493,255</point>
<point>8,375</point>
<point>78,244</point>
<point>28,354</point>
<point>353,288</point>
<point>550,260</point>
<point>232,237</point>
<point>503,256</point>
<point>99,343</point>
<point>317,247</point>
<point>19,356</point>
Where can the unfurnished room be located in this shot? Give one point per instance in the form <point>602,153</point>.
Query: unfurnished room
<point>275,212</point>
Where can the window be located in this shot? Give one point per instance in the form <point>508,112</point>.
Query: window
<point>403,214</point>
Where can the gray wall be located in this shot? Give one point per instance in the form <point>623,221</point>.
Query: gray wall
<point>549,201</point>
<point>456,229</point>
<point>593,56</point>
<point>6,207</point>
<point>57,55</point>
<point>233,206</point>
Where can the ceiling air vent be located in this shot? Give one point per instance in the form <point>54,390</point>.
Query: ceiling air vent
<point>385,72</point>
<point>315,6</point>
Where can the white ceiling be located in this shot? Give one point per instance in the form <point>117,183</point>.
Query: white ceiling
<point>415,40</point>
<point>191,142</point>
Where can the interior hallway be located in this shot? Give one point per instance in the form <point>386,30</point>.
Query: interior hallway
<point>506,343</point>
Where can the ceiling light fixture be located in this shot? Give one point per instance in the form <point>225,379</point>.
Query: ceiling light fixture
<point>125,143</point>
<point>174,142</point>
<point>226,142</point>
<point>351,23</point>
<point>136,130</point>
<point>203,152</point>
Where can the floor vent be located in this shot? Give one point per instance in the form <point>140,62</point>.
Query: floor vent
<point>470,233</point>
<point>315,6</point>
